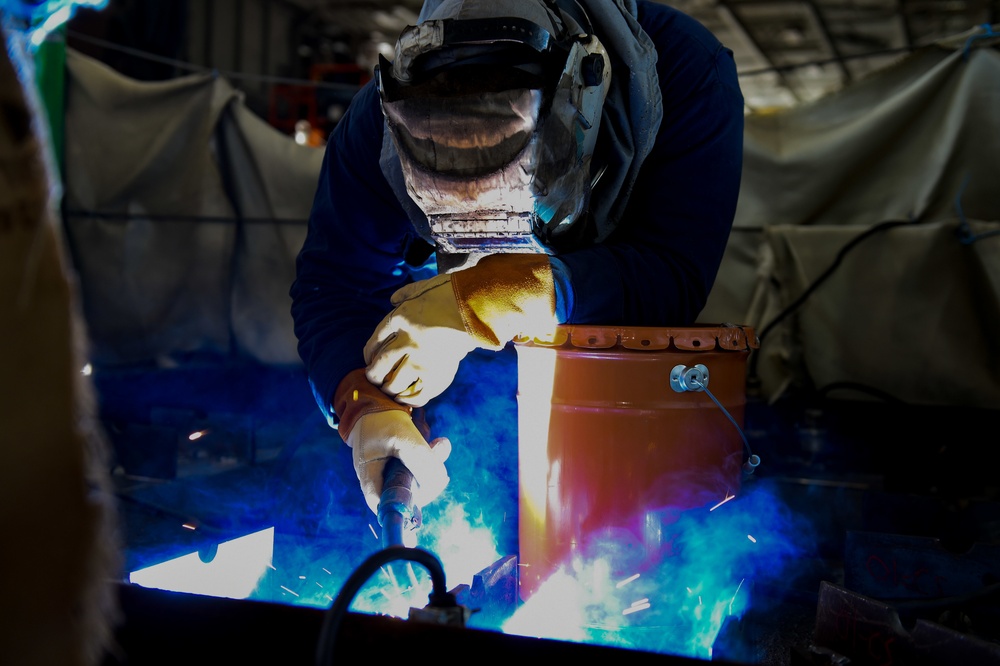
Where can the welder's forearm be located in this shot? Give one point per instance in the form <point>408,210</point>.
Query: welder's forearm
<point>355,396</point>
<point>331,335</point>
<point>336,304</point>
<point>328,360</point>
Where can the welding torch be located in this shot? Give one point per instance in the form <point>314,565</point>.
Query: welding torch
<point>398,514</point>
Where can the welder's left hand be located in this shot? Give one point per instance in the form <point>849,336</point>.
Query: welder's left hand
<point>414,353</point>
<point>377,428</point>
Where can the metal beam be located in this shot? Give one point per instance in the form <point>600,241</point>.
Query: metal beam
<point>904,16</point>
<point>830,41</point>
<point>726,6</point>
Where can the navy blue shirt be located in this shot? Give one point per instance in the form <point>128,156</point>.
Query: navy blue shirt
<point>656,269</point>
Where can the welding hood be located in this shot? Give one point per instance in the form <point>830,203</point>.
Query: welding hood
<point>495,120</point>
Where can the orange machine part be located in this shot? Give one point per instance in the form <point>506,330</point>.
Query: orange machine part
<point>608,451</point>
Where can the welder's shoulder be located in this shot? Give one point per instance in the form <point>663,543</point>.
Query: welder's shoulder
<point>676,35</point>
<point>362,122</point>
<point>690,58</point>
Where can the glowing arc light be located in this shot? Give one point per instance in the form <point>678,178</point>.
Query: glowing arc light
<point>728,498</point>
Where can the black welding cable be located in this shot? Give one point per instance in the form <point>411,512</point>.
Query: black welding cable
<point>753,460</point>
<point>797,303</point>
<point>439,596</point>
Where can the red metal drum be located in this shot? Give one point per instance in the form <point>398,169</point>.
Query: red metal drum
<point>610,444</point>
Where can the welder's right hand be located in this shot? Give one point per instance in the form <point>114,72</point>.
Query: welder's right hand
<point>380,435</point>
<point>377,428</point>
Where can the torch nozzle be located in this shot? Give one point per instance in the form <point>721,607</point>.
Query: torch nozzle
<point>398,514</point>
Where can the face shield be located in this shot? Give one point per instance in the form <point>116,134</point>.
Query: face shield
<point>495,122</point>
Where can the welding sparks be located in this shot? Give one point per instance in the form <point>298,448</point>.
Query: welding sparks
<point>412,574</point>
<point>750,536</point>
<point>198,434</point>
<point>289,591</point>
<point>728,497</point>
<point>625,582</point>
<point>189,526</point>
<point>637,606</point>
<point>392,580</point>
<point>374,534</point>
<point>87,370</point>
<point>391,598</point>
<point>735,594</point>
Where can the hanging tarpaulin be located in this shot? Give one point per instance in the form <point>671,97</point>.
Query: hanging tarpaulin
<point>907,312</point>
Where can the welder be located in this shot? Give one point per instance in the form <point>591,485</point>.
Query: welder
<point>517,165</point>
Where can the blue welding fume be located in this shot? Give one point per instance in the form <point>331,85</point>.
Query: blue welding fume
<point>399,516</point>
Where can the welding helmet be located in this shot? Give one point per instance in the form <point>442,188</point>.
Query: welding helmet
<point>494,110</point>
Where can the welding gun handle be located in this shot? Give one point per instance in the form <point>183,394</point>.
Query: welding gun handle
<point>396,475</point>
<point>397,511</point>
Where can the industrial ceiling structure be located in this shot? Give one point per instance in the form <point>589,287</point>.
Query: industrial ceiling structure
<point>787,51</point>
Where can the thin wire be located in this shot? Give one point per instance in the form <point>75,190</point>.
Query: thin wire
<point>983,35</point>
<point>166,217</point>
<point>345,86</point>
<point>199,69</point>
<point>695,382</point>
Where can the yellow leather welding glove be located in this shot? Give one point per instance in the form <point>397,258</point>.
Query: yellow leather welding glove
<point>414,353</point>
<point>378,428</point>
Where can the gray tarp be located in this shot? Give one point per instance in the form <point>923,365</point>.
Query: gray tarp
<point>202,209</point>
<point>911,311</point>
<point>57,505</point>
<point>184,212</point>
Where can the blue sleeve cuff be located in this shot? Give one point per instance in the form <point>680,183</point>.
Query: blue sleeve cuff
<point>564,289</point>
